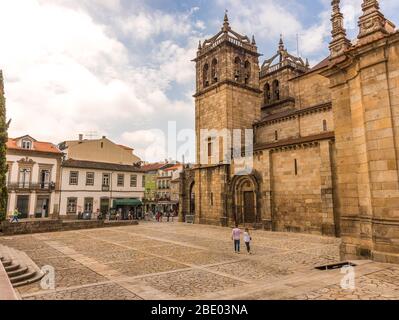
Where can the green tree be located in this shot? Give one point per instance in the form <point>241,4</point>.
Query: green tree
<point>3,149</point>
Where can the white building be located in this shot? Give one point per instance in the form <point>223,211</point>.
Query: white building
<point>93,187</point>
<point>99,175</point>
<point>33,177</point>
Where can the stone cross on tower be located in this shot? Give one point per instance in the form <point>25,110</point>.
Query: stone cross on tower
<point>339,42</point>
<point>372,23</point>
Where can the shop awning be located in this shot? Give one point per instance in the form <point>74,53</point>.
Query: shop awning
<point>127,202</point>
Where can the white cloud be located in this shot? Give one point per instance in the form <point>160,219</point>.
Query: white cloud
<point>65,73</point>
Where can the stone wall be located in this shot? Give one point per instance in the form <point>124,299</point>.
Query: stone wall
<point>41,225</point>
<point>302,196</point>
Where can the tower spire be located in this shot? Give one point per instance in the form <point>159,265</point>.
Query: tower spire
<point>253,40</point>
<point>372,21</point>
<point>226,24</point>
<point>281,43</point>
<point>339,42</point>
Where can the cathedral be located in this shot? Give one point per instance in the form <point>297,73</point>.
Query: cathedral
<point>325,139</point>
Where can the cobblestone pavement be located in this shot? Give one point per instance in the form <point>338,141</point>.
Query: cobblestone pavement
<point>180,261</point>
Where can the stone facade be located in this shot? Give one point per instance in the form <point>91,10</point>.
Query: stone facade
<point>325,150</point>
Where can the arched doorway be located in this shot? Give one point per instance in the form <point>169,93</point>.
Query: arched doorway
<point>245,200</point>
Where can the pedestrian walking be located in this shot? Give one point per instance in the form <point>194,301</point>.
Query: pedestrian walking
<point>236,237</point>
<point>247,240</point>
<point>15,216</point>
<point>168,216</point>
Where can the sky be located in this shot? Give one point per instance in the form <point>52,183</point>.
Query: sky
<point>122,68</point>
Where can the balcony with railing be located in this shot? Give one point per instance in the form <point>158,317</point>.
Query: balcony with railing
<point>285,63</point>
<point>31,186</point>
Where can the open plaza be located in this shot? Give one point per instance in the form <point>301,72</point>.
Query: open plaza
<point>167,261</point>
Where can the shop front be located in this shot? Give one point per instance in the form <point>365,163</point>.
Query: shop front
<point>124,206</point>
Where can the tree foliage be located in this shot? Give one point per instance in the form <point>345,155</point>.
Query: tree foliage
<point>3,150</point>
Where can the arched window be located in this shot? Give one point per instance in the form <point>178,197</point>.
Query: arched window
<point>267,94</point>
<point>205,75</point>
<point>247,67</point>
<point>214,71</point>
<point>276,90</point>
<point>296,166</point>
<point>275,135</point>
<point>237,69</point>
<point>324,125</point>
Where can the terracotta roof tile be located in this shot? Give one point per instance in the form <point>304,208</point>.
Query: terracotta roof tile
<point>38,146</point>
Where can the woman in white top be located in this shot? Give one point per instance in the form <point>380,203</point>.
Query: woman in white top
<point>247,240</point>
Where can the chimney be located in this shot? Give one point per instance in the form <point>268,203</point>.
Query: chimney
<point>80,137</point>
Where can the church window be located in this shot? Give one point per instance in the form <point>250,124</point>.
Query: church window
<point>211,198</point>
<point>276,90</point>
<point>237,69</point>
<point>209,147</point>
<point>275,135</point>
<point>206,75</point>
<point>247,67</point>
<point>296,166</point>
<point>324,125</point>
<point>215,71</point>
<point>267,93</point>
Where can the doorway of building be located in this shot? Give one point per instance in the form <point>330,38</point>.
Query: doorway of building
<point>104,206</point>
<point>249,207</point>
<point>23,206</point>
<point>42,207</point>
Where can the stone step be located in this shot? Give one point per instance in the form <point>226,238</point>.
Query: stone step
<point>20,268</point>
<point>23,277</point>
<point>13,267</point>
<point>36,278</point>
<point>17,272</point>
<point>6,263</point>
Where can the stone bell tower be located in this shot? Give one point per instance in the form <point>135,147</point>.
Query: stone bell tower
<point>227,88</point>
<point>227,98</point>
<point>364,88</point>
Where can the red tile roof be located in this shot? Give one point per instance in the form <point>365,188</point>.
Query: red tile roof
<point>175,167</point>
<point>153,166</point>
<point>38,146</point>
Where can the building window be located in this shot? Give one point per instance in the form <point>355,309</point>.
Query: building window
<point>26,144</point>
<point>133,181</point>
<point>106,178</point>
<point>296,166</point>
<point>24,177</point>
<point>247,67</point>
<point>276,90</point>
<point>74,178</point>
<point>102,145</point>
<point>214,71</point>
<point>324,125</point>
<point>237,69</point>
<point>267,93</point>
<point>72,205</point>
<point>143,182</point>
<point>211,198</point>
<point>90,179</point>
<point>121,180</point>
<point>209,147</point>
<point>88,205</point>
<point>205,75</point>
<point>275,135</point>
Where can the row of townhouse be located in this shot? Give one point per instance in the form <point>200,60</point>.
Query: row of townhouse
<point>77,176</point>
<point>162,194</point>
